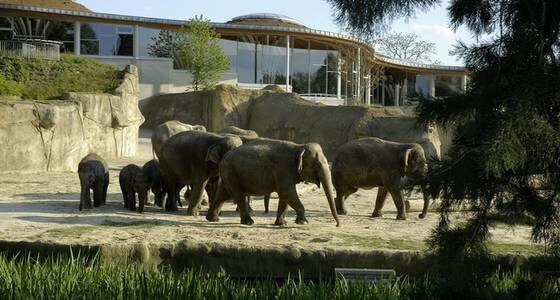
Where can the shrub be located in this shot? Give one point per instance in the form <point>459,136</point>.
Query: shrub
<point>43,80</point>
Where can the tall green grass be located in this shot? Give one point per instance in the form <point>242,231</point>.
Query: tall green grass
<point>78,278</point>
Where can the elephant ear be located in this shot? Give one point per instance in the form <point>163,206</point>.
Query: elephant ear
<point>300,163</point>
<point>404,162</point>
<point>213,154</point>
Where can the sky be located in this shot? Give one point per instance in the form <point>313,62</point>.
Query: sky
<point>431,25</point>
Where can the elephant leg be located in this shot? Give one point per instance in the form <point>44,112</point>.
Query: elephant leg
<point>216,204</point>
<point>379,202</point>
<point>132,195</point>
<point>396,194</point>
<point>281,214</point>
<point>266,203</point>
<point>197,191</point>
<point>249,208</point>
<point>243,204</point>
<point>97,193</point>
<point>105,187</point>
<point>123,191</point>
<point>426,198</point>
<point>172,193</point>
<point>291,197</point>
<point>87,196</point>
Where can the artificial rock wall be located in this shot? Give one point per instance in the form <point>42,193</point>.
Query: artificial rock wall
<point>54,135</point>
<point>279,115</point>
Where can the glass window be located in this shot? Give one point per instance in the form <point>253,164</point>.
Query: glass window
<point>5,29</point>
<point>106,39</point>
<point>447,86</point>
<point>230,50</point>
<point>318,71</point>
<point>299,66</point>
<point>246,62</point>
<point>274,60</point>
<point>62,32</point>
<point>147,37</point>
<point>422,85</point>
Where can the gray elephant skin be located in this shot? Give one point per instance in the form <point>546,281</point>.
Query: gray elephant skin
<point>373,162</point>
<point>94,174</point>
<point>164,131</point>
<point>246,136</point>
<point>192,158</point>
<point>133,181</point>
<point>153,174</point>
<point>264,166</point>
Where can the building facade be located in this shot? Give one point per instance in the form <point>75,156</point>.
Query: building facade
<point>263,49</point>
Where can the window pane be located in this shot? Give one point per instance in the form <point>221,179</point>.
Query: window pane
<point>230,49</point>
<point>147,37</point>
<point>89,47</point>
<point>274,60</point>
<point>124,45</point>
<point>422,85</point>
<point>447,86</point>
<point>246,62</point>
<point>299,67</point>
<point>318,71</point>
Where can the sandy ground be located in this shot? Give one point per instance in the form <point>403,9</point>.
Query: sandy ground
<point>44,207</point>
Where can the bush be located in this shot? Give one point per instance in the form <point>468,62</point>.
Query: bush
<point>10,87</point>
<point>43,80</point>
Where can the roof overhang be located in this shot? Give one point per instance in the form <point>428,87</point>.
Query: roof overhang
<point>336,39</point>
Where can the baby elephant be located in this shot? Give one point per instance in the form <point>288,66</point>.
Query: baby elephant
<point>133,182</point>
<point>373,162</point>
<point>94,174</point>
<point>153,176</point>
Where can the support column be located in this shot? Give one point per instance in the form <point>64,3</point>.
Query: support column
<point>464,83</point>
<point>432,87</point>
<point>77,37</point>
<point>397,94</point>
<point>136,41</point>
<point>368,89</point>
<point>383,92</point>
<point>405,89</point>
<point>339,77</point>
<point>288,64</point>
<point>359,76</point>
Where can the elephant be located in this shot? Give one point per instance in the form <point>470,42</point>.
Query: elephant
<point>373,162</point>
<point>192,157</point>
<point>264,166</point>
<point>94,174</point>
<point>133,181</point>
<point>245,134</point>
<point>168,129</point>
<point>153,174</point>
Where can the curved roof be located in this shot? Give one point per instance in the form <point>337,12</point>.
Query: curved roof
<point>236,25</point>
<point>63,4</point>
<point>266,19</point>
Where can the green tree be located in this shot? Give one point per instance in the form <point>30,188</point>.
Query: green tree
<point>505,156</point>
<point>199,49</point>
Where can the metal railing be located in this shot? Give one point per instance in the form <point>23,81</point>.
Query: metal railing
<point>31,49</point>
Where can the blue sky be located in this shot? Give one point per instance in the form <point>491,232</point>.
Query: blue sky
<point>431,25</point>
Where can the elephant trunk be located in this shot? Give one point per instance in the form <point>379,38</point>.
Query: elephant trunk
<point>426,202</point>
<point>325,178</point>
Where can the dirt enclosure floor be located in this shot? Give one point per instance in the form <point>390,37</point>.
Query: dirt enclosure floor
<point>44,207</point>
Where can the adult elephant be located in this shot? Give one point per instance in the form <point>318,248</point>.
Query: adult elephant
<point>192,157</point>
<point>164,131</point>
<point>264,166</point>
<point>246,136</point>
<point>373,162</point>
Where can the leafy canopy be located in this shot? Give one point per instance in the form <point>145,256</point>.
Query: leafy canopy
<point>406,46</point>
<point>200,51</point>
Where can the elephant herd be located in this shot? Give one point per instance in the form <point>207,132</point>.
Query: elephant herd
<point>236,164</point>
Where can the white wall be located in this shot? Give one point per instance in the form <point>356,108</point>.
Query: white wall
<point>157,75</point>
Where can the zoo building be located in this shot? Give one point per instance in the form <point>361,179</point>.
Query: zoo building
<point>263,49</point>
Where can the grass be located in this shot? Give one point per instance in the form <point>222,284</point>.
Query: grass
<point>78,278</point>
<point>46,80</point>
